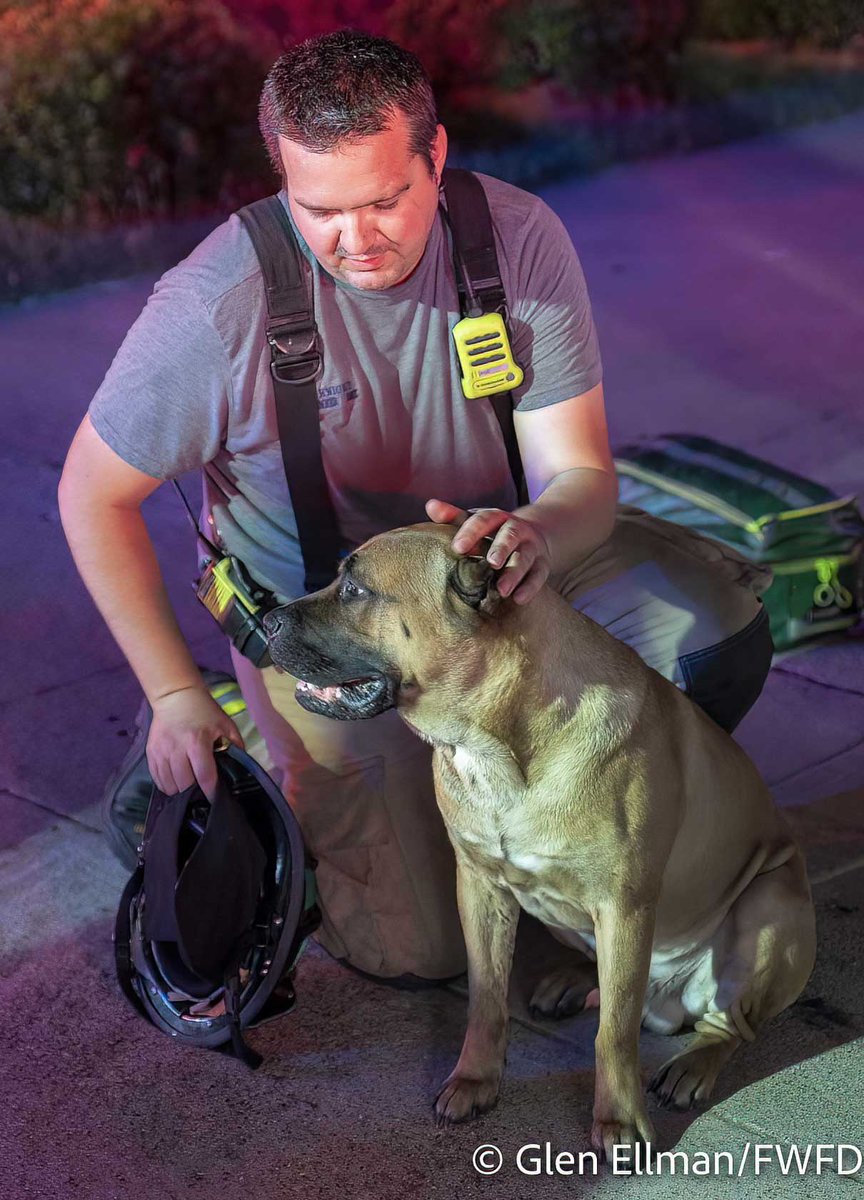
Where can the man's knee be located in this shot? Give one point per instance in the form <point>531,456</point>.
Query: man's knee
<point>364,797</point>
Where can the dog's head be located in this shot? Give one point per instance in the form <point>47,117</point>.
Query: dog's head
<point>403,612</point>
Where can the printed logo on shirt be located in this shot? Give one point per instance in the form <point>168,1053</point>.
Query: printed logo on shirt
<point>335,394</point>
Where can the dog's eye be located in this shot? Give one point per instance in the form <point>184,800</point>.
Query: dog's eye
<point>348,589</point>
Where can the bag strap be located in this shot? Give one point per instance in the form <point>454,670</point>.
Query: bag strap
<point>295,365</point>
<point>479,282</point>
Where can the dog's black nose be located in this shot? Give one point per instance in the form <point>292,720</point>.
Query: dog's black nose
<point>273,622</point>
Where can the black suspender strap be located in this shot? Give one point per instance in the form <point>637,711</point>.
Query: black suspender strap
<point>479,281</point>
<point>474,242</point>
<point>295,365</point>
<point>296,357</point>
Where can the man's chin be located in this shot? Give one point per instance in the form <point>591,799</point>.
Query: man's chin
<point>371,281</point>
<point>388,275</point>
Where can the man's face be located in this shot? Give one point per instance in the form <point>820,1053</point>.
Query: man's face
<point>365,209</point>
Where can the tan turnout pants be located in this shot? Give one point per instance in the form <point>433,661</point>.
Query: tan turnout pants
<point>362,793</point>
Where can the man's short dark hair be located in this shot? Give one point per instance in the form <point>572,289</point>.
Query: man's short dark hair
<point>342,88</point>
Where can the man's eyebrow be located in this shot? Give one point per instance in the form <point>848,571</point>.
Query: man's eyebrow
<point>380,200</point>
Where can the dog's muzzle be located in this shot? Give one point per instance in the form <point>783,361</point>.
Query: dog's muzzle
<point>340,686</point>
<point>352,700</point>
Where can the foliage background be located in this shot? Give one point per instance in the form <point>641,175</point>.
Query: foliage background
<point>119,114</point>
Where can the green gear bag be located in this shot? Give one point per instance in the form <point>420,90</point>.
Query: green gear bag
<point>810,538</point>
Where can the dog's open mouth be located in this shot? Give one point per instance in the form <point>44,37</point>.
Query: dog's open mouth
<point>351,700</point>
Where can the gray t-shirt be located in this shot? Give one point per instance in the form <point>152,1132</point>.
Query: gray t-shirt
<point>190,386</point>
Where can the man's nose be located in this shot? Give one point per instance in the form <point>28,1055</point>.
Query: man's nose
<point>355,234</point>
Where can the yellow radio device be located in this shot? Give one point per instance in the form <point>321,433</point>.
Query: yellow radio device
<point>485,357</point>
<point>237,604</point>
<point>482,345</point>
<point>231,596</point>
<point>219,587</point>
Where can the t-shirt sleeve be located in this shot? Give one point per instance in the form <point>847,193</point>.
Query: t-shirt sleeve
<point>552,328</point>
<point>163,405</point>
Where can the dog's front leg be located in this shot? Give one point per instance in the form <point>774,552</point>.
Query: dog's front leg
<point>624,933</point>
<point>489,915</point>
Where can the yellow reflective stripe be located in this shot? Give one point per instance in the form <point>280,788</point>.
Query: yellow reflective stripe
<point>735,516</point>
<point>229,707</point>
<point>792,514</point>
<point>794,566</point>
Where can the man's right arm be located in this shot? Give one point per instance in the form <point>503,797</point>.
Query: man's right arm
<point>100,499</point>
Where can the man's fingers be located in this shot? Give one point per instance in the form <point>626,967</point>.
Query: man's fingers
<point>203,765</point>
<point>158,778</point>
<point>176,774</point>
<point>180,747</point>
<point>160,773</point>
<point>181,771</point>
<point>230,732</point>
<point>508,537</point>
<point>163,777</point>
<point>233,734</point>
<point>444,513</point>
<point>517,570</point>
<point>478,526</point>
<point>531,584</point>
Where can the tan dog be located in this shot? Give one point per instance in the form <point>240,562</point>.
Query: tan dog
<point>578,783</point>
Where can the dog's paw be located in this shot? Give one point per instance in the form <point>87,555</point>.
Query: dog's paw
<point>565,991</point>
<point>607,1134</point>
<point>462,1098</point>
<point>689,1077</point>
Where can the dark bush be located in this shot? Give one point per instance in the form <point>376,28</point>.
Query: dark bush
<point>826,23</point>
<point>293,21</point>
<point>117,107</point>
<point>459,42</point>
<point>599,48</point>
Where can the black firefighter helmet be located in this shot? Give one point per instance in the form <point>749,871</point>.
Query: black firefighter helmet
<point>218,909</point>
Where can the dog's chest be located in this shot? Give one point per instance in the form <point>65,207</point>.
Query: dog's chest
<point>494,823</point>
<point>480,797</point>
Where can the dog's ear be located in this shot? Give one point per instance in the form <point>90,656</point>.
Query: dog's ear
<point>473,580</point>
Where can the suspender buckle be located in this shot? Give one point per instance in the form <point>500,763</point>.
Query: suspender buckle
<point>295,354</point>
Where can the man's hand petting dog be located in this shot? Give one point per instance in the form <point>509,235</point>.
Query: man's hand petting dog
<point>518,548</point>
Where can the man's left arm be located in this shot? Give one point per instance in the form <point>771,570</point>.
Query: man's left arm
<point>572,488</point>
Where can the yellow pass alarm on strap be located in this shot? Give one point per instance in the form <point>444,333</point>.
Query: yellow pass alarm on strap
<point>485,357</point>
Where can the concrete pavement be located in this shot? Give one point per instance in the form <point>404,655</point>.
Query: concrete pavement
<point>727,291</point>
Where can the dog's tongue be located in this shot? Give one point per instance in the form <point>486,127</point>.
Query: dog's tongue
<point>333,692</point>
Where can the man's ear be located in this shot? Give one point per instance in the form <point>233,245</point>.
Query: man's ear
<point>473,580</point>
<point>439,152</point>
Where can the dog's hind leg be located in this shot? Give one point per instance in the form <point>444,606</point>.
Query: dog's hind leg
<point>569,988</point>
<point>555,968</point>
<point>767,961</point>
